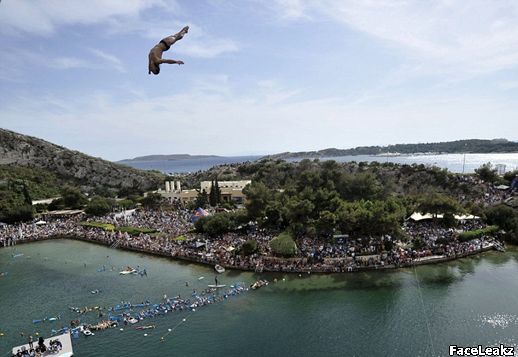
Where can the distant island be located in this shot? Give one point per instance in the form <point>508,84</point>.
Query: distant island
<point>449,147</point>
<point>171,157</point>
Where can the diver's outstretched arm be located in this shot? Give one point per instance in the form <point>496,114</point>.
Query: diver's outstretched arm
<point>170,61</point>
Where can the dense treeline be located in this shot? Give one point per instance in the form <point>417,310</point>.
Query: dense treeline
<point>318,199</point>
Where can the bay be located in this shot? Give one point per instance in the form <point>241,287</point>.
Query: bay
<point>188,165</point>
<point>400,313</point>
<point>457,163</point>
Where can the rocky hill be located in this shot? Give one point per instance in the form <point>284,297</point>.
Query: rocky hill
<point>73,166</point>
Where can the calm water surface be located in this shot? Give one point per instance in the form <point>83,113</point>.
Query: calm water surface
<point>453,162</point>
<point>401,313</point>
<point>188,165</point>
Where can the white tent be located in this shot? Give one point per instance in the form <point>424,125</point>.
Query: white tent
<point>417,216</point>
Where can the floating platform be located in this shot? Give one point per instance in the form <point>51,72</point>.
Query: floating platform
<point>65,340</point>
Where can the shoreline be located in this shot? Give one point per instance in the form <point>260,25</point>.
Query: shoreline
<point>420,261</point>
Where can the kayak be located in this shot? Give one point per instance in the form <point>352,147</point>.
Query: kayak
<point>216,286</point>
<point>144,327</point>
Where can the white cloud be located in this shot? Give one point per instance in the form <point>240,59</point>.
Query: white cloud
<point>472,37</point>
<point>218,118</point>
<point>43,17</point>
<point>508,85</point>
<point>197,43</point>
<point>110,59</point>
<point>208,48</point>
<point>294,9</point>
<point>70,63</point>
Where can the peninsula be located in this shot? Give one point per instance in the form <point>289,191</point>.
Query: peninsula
<point>448,147</point>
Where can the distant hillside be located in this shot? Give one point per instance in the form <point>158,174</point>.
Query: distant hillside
<point>459,146</point>
<point>17,150</point>
<point>171,157</point>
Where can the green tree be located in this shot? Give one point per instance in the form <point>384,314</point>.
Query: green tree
<point>487,173</point>
<point>217,224</point>
<point>283,245</point>
<point>249,247</point>
<point>326,223</point>
<point>449,220</point>
<point>217,192</point>
<point>73,197</point>
<point>438,203</point>
<point>212,195</point>
<point>359,186</point>
<point>15,214</point>
<point>151,200</point>
<point>258,197</point>
<point>98,206</point>
<point>505,218</point>
<point>202,199</point>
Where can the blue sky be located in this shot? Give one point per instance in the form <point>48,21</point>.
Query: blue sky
<point>259,76</point>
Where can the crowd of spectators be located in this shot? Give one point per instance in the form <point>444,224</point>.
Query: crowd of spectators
<point>175,237</point>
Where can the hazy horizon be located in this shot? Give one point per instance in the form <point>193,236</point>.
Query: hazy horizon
<point>259,77</point>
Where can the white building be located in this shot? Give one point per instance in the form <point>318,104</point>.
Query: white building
<point>230,190</point>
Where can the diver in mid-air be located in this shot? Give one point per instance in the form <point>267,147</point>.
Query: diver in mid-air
<point>155,55</point>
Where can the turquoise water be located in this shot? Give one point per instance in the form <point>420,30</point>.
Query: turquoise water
<point>467,302</point>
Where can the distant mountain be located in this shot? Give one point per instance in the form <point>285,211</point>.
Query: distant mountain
<point>22,151</point>
<point>171,157</point>
<point>459,146</point>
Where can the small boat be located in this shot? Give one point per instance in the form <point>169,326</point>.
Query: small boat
<point>201,278</point>
<point>96,291</point>
<point>3,273</point>
<point>216,286</point>
<point>144,327</point>
<point>219,268</point>
<point>258,284</point>
<point>128,270</point>
<point>132,320</point>
<point>17,255</point>
<point>85,331</point>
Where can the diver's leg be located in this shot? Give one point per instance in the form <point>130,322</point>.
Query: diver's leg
<point>170,40</point>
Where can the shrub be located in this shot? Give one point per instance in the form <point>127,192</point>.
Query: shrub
<point>105,226</point>
<point>477,233</point>
<point>134,231</point>
<point>249,247</point>
<point>283,245</point>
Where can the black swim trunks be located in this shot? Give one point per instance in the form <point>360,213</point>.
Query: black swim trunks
<point>165,44</point>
